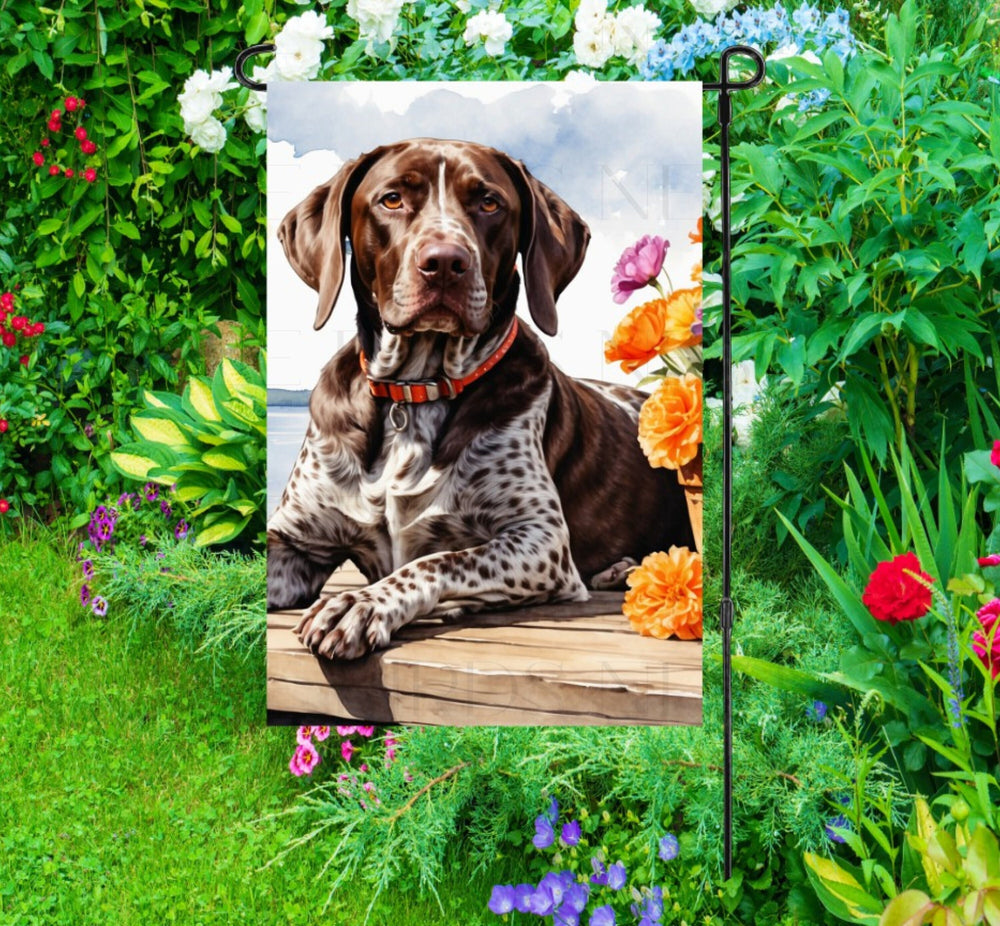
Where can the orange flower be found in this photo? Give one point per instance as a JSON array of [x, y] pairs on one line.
[[681, 307], [670, 422], [664, 595], [696, 272], [654, 328], [696, 236], [637, 338]]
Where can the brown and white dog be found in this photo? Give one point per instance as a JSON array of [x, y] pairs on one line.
[[451, 461]]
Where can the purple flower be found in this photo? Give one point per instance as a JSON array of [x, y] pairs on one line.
[[181, 530], [650, 909], [151, 490], [522, 897], [669, 847], [816, 711], [839, 822], [548, 896], [553, 812], [142, 540], [600, 875], [84, 594], [602, 916], [570, 834], [88, 429], [502, 899], [166, 509], [99, 606], [88, 568], [575, 898], [638, 266], [544, 834], [617, 876]]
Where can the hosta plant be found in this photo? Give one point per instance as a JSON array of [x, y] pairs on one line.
[[208, 443]]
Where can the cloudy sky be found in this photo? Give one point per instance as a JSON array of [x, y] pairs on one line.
[[626, 156]]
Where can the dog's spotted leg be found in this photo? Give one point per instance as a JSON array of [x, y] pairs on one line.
[[293, 579], [613, 578], [525, 565]]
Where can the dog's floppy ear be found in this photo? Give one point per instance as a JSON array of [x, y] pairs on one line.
[[553, 242], [313, 233]]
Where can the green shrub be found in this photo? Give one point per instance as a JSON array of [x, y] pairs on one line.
[[207, 445], [867, 257]]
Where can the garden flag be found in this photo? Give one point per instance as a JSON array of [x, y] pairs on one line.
[[485, 402]]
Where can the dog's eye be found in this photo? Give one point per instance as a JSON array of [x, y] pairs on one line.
[[392, 201], [489, 203]]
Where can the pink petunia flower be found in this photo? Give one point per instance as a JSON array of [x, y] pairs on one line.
[[366, 731], [346, 731], [304, 735], [347, 750], [986, 642], [638, 266], [995, 454], [321, 733], [306, 758]]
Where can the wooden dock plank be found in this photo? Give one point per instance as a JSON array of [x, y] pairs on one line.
[[566, 664]]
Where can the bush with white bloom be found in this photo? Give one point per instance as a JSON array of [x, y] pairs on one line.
[[200, 98], [492, 27], [712, 8], [601, 35], [376, 19]]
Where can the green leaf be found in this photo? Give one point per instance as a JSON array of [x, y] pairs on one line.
[[222, 531], [841, 892], [787, 678], [221, 458]]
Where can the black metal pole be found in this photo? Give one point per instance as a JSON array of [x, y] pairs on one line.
[[724, 87]]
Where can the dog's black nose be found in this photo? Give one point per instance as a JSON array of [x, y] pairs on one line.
[[442, 261]]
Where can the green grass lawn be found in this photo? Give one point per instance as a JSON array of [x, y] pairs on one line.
[[135, 777]]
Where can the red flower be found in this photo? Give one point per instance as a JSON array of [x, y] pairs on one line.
[[987, 649], [56, 114], [995, 455], [38, 158], [7, 301], [4, 506], [45, 143], [69, 171], [18, 322], [81, 133], [8, 339], [71, 103], [87, 146], [54, 125], [894, 593], [90, 175], [38, 328], [24, 360], [54, 171], [3, 425], [992, 560]]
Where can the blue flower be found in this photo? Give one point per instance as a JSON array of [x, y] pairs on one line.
[[669, 847], [502, 899], [600, 875], [570, 833], [838, 822], [544, 834], [553, 811], [650, 908], [602, 916], [617, 876]]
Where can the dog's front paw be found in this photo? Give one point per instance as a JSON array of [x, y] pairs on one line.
[[345, 626]]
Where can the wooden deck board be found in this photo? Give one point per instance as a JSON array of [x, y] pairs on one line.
[[571, 664]]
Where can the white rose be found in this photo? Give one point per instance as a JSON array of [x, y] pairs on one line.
[[491, 26], [256, 111], [711, 8], [209, 135], [463, 6], [376, 18], [299, 47], [202, 95], [593, 47], [635, 27], [589, 14]]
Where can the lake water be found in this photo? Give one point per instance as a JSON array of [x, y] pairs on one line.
[[286, 428]]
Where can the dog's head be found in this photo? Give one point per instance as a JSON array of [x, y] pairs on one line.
[[435, 228]]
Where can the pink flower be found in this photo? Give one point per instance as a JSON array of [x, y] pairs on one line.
[[305, 759], [90, 175], [321, 733], [69, 171], [995, 454], [347, 750], [87, 146], [81, 133], [366, 731], [304, 735], [638, 266], [346, 731], [986, 642], [992, 560], [71, 104], [38, 158], [54, 171]]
